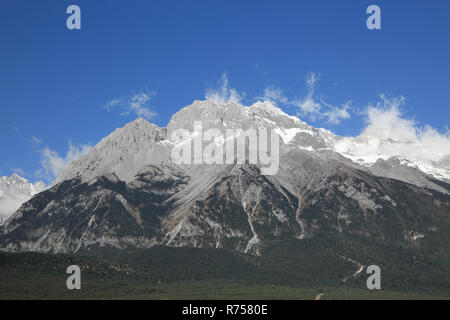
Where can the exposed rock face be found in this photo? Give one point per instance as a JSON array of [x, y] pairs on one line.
[[123, 153], [126, 193]]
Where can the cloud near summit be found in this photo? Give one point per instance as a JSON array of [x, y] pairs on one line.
[[53, 164], [311, 106], [389, 133], [137, 104], [224, 93]]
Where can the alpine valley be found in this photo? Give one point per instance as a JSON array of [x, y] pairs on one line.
[[126, 211]]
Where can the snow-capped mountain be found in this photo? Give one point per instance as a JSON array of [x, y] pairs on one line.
[[14, 191], [127, 193], [140, 143], [371, 147]]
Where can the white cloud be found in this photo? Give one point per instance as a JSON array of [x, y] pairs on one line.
[[19, 171], [311, 81], [36, 140], [388, 133], [275, 95], [11, 203], [335, 114], [224, 94], [53, 164], [138, 104], [310, 106]]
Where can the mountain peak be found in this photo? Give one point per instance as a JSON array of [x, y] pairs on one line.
[[123, 153], [139, 120], [141, 143], [16, 177], [271, 110], [140, 123], [267, 106]]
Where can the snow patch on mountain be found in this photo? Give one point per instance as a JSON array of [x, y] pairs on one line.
[[14, 191], [389, 134], [139, 143], [289, 134], [368, 148]]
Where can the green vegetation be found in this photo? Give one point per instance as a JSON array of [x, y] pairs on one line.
[[187, 273]]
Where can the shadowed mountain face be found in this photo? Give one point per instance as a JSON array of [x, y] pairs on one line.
[[126, 194], [240, 210]]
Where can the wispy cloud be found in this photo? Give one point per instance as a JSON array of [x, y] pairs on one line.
[[137, 104], [19, 171], [36, 140], [224, 93], [311, 106], [53, 163], [335, 114], [307, 105], [275, 95]]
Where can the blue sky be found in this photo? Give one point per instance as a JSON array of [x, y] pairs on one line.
[[55, 82]]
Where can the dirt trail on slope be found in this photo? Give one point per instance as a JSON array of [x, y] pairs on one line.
[[354, 275], [318, 296]]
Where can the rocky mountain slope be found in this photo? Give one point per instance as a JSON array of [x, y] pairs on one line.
[[127, 193]]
